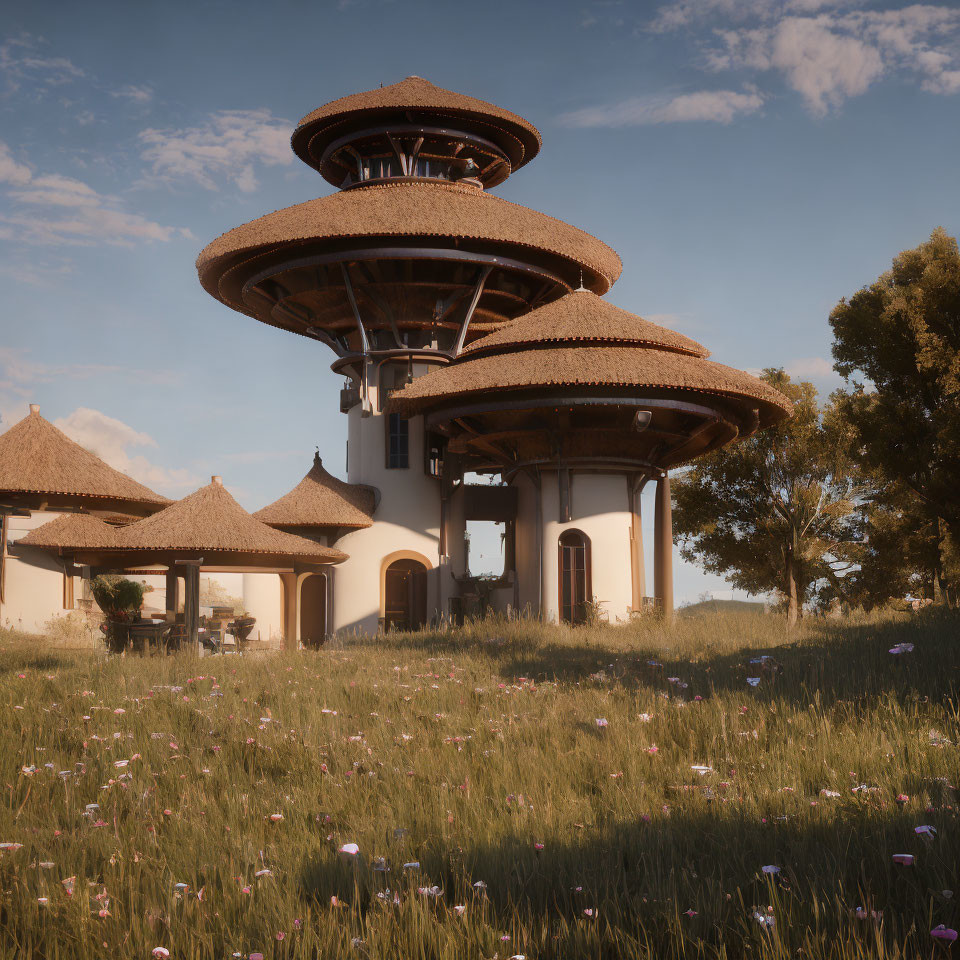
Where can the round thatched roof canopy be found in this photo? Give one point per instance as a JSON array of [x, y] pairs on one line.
[[416, 98], [39, 463], [211, 524], [419, 214], [322, 500], [72, 531], [582, 317], [612, 368]]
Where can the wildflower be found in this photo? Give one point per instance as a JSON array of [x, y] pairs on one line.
[[902, 648], [925, 830], [460, 909], [601, 722], [766, 920], [701, 768], [159, 952], [771, 869], [904, 859], [652, 749], [350, 849], [944, 934], [538, 846], [433, 891], [276, 817], [644, 717], [753, 681], [280, 935], [691, 913], [902, 798]]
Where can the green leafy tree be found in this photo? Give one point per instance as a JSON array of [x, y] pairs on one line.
[[897, 342], [776, 512]]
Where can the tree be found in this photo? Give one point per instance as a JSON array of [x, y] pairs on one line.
[[897, 343], [776, 511]]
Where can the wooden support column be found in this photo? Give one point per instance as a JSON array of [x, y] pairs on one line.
[[191, 603], [173, 594], [291, 611], [663, 549], [638, 573]]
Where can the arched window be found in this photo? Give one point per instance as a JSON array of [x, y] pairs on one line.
[[575, 585], [405, 595]]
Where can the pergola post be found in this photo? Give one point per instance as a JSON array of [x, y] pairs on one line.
[[663, 548], [173, 594], [291, 610], [191, 602], [637, 568]]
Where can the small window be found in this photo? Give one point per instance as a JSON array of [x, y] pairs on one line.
[[433, 449], [398, 442]]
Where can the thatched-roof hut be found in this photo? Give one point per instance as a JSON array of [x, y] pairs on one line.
[[40, 465]]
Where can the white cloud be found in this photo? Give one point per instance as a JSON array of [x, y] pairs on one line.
[[817, 370], [826, 50], [11, 171], [111, 440], [224, 148], [715, 106], [54, 209], [138, 94], [21, 62]]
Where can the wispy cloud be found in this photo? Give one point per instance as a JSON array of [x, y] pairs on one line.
[[828, 51], [112, 440], [225, 149], [713, 106], [54, 209], [138, 94], [22, 61]]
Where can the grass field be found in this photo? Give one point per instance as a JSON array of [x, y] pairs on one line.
[[544, 780]]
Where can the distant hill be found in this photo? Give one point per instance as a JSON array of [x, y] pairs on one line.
[[721, 606]]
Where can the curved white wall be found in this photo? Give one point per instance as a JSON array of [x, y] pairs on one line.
[[407, 519], [600, 508], [263, 599]]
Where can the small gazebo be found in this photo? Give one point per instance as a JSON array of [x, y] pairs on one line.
[[206, 530]]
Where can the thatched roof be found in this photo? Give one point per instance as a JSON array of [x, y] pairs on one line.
[[37, 458], [322, 500], [418, 96], [422, 210], [582, 316], [611, 366], [72, 531], [211, 521]]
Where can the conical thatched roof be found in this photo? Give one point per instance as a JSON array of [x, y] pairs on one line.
[[37, 458], [519, 139], [421, 210], [583, 341], [321, 500], [583, 317], [210, 521], [72, 531]]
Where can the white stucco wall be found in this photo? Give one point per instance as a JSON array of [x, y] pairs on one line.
[[33, 581], [600, 509], [407, 519], [263, 599]]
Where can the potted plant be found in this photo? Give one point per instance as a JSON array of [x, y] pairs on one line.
[[120, 600]]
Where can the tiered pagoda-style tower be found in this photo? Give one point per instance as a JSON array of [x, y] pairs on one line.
[[399, 273]]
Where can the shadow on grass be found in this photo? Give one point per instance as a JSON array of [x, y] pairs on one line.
[[829, 662], [641, 878]]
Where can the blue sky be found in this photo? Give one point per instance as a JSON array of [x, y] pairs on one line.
[[752, 161]]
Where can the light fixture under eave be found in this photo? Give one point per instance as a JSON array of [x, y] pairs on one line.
[[641, 420]]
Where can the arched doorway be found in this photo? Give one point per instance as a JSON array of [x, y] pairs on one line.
[[575, 586], [313, 610], [405, 595]]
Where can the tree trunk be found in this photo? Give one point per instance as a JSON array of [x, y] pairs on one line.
[[790, 588]]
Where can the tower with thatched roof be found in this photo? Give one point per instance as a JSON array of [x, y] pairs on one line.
[[462, 306]]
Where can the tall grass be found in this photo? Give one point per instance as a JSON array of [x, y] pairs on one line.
[[477, 753]]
